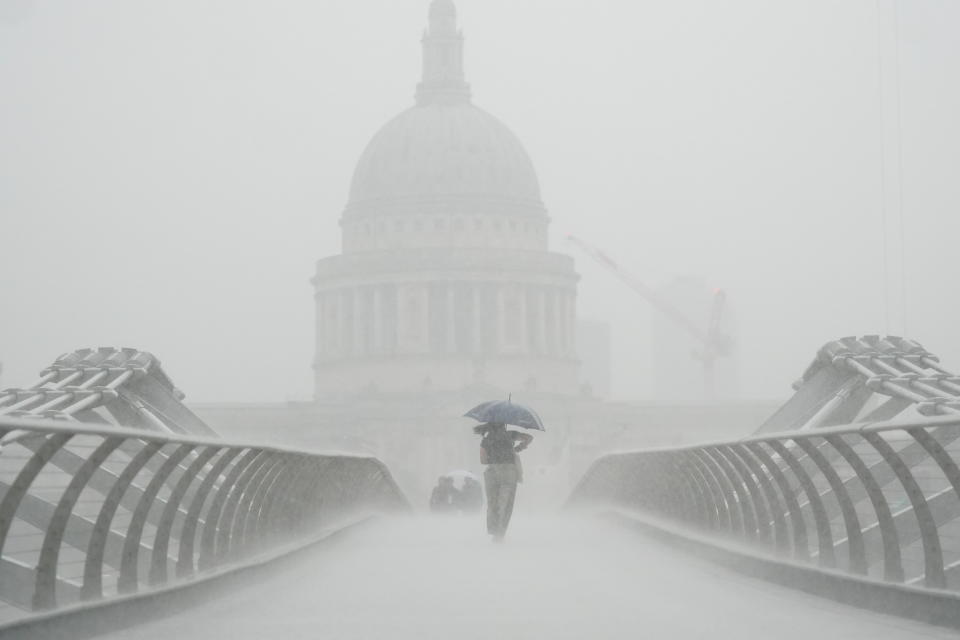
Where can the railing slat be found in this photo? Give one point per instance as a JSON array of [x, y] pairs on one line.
[[140, 484], [769, 485]]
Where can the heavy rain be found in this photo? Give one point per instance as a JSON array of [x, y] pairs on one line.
[[468, 319]]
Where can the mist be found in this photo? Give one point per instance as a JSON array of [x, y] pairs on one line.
[[171, 171], [431, 579], [624, 230]]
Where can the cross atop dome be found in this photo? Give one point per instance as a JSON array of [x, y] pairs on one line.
[[443, 78]]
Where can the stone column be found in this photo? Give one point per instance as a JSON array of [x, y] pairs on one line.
[[477, 320], [561, 322], [423, 292], [332, 321], [378, 343], [558, 320], [359, 322], [502, 319], [320, 326], [547, 337], [344, 327], [542, 328], [392, 320], [523, 331], [451, 319], [572, 320]]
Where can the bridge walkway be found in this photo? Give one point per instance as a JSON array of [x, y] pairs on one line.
[[430, 578]]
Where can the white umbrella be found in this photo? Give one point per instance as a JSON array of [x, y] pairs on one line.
[[460, 475]]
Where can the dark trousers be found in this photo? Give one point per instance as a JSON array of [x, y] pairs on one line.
[[501, 484]]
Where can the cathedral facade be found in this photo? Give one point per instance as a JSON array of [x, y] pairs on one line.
[[445, 281], [446, 294]]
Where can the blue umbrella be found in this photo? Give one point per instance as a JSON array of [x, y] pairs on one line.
[[506, 412]]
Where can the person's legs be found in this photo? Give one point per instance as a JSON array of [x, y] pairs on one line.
[[508, 492], [492, 485]]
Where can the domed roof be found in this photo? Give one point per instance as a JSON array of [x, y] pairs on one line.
[[444, 149], [444, 154]]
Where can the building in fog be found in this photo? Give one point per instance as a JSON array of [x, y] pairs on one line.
[[445, 281], [446, 294]]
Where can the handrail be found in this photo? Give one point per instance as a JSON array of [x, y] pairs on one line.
[[45, 425], [90, 511], [876, 499], [857, 427]]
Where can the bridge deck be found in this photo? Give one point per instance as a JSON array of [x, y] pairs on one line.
[[442, 578]]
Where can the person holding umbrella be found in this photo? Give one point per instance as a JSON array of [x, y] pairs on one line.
[[498, 451]]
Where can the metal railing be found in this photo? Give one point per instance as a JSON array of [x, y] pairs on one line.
[[879, 500], [88, 512]]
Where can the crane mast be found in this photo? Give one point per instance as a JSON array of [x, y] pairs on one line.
[[711, 341]]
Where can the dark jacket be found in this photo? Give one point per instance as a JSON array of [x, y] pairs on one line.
[[498, 446]]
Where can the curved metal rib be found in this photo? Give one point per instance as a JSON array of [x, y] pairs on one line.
[[825, 553], [892, 560], [930, 538], [259, 484], [212, 521], [759, 508], [128, 581], [227, 528], [727, 495], [781, 536], [181, 476], [29, 472], [801, 548], [249, 533], [857, 554], [716, 513], [161, 542], [45, 595], [93, 565], [188, 534]]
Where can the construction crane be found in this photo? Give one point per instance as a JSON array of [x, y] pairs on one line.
[[711, 341]]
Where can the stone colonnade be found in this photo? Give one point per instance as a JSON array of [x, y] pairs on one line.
[[467, 318]]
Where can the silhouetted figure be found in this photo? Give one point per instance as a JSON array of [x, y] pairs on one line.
[[498, 450], [471, 495], [445, 496]]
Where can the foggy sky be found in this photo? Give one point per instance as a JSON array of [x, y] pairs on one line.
[[170, 171]]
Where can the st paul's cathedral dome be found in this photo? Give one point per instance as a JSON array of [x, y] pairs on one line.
[[445, 280]]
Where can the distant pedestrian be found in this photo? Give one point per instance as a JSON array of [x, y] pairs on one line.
[[498, 450], [445, 496], [471, 495]]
